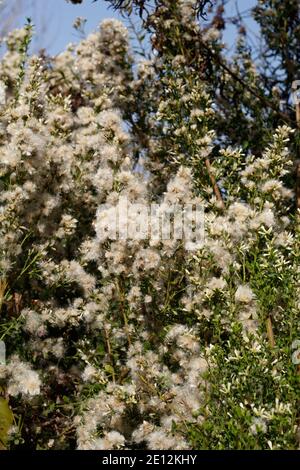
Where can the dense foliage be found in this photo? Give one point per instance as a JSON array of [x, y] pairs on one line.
[[147, 343]]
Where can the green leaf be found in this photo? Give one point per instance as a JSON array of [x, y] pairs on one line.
[[6, 421], [109, 369]]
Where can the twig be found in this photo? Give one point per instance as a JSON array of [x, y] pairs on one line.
[[217, 59], [3, 286], [270, 332], [214, 183]]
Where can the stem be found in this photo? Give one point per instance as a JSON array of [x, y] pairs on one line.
[[270, 332], [109, 352], [214, 183], [3, 286], [122, 303], [298, 164]]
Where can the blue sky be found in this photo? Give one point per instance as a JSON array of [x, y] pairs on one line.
[[54, 19]]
